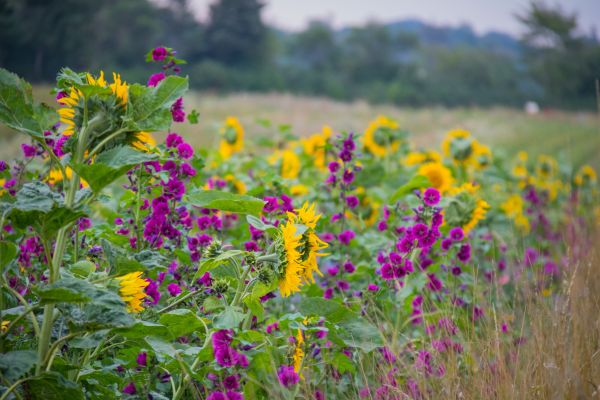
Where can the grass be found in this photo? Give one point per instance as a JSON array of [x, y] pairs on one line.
[[573, 136]]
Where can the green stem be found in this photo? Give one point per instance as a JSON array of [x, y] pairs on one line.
[[104, 141], [12, 388], [50, 355], [187, 378], [241, 286], [59, 249]]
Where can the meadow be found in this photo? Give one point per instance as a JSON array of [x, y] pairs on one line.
[[162, 244]]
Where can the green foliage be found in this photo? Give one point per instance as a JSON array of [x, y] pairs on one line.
[[19, 111], [226, 201]]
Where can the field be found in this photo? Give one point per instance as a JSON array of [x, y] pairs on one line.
[[284, 247], [573, 137]]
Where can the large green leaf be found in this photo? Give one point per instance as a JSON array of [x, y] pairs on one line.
[[67, 290], [354, 330], [212, 263], [229, 318], [52, 386], [19, 111], [37, 206], [225, 201], [181, 322], [15, 364], [142, 329], [149, 108], [110, 165]]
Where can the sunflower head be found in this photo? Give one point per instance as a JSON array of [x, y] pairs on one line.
[[290, 268], [232, 137], [438, 174], [459, 145], [382, 136], [585, 176], [466, 208], [131, 290]]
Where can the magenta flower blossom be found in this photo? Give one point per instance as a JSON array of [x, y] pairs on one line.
[[333, 167], [372, 287], [173, 289], [431, 197], [173, 140], [142, 359], [231, 382], [457, 234], [28, 150], [129, 389], [346, 236], [159, 54], [177, 110], [185, 151], [287, 376], [156, 78]]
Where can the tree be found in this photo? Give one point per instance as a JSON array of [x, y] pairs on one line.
[[235, 34]]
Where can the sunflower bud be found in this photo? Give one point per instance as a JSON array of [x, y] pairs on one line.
[[220, 286], [214, 249]]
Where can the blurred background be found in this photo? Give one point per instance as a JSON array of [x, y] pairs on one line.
[[416, 53], [518, 73]]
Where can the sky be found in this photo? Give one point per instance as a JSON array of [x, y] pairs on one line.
[[482, 15]]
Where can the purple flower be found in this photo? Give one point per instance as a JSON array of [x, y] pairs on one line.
[[185, 150], [3, 165], [231, 382], [173, 289], [159, 54], [446, 244], [457, 234], [349, 267], [348, 177], [346, 236], [431, 197], [434, 284], [420, 230], [352, 201], [177, 110], [530, 257], [372, 287], [28, 151], [382, 226], [142, 359], [333, 167], [287, 376], [217, 396], [464, 253], [156, 78], [173, 140], [271, 204], [129, 388]]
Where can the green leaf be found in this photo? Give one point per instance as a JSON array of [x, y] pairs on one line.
[[52, 386], [215, 262], [150, 106], [90, 341], [343, 363], [142, 329], [416, 182], [258, 224], [110, 165], [181, 322], [229, 318], [37, 206], [8, 251], [161, 348], [82, 268], [19, 111], [354, 330], [67, 290], [15, 364], [225, 201], [255, 306]]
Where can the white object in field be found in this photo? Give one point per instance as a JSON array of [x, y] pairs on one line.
[[532, 108]]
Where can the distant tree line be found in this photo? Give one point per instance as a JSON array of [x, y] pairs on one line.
[[408, 63]]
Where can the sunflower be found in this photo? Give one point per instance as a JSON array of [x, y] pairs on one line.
[[513, 208], [290, 164], [482, 155], [67, 113], [298, 352], [546, 167], [439, 176], [120, 89], [238, 185], [290, 280], [585, 176], [459, 145], [379, 136], [421, 157], [468, 208], [232, 140], [144, 141], [314, 146], [131, 290], [311, 244]]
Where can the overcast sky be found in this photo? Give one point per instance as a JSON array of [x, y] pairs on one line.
[[482, 15]]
